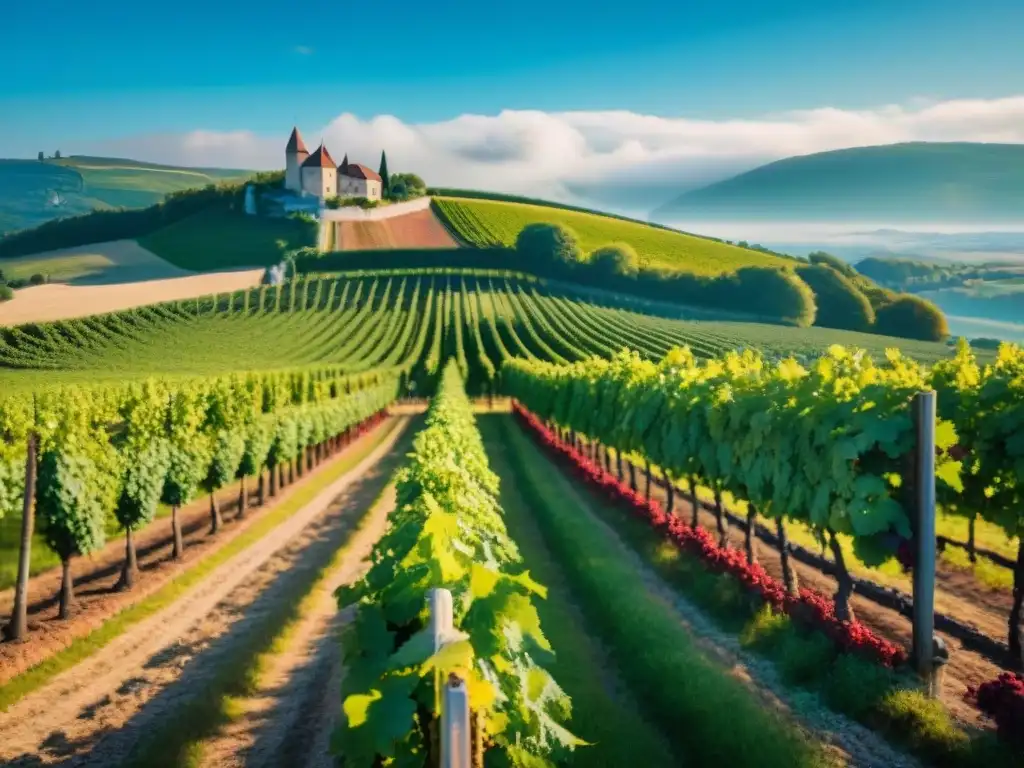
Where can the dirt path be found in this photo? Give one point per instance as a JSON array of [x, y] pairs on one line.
[[97, 600], [290, 721], [850, 742], [96, 712]]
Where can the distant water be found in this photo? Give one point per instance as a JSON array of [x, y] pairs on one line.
[[813, 232], [975, 327]]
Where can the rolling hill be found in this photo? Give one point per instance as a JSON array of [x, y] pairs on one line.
[[28, 187], [486, 223], [897, 183]]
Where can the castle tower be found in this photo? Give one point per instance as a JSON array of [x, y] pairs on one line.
[[295, 154], [320, 174]]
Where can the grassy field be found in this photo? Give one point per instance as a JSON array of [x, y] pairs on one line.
[[223, 239], [91, 183], [491, 222], [117, 262]]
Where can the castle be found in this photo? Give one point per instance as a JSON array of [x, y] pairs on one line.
[[319, 176]]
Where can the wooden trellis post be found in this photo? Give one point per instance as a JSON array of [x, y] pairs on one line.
[[928, 652], [452, 697]]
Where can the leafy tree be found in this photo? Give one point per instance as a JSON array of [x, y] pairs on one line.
[[385, 180], [614, 261], [828, 260], [282, 450], [397, 190], [228, 409], [840, 303], [189, 456], [56, 155], [257, 445], [911, 317], [146, 468], [405, 186], [6, 292], [78, 479], [768, 291], [228, 447], [146, 458], [548, 245]]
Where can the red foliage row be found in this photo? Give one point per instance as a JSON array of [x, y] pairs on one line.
[[1002, 699], [809, 607]]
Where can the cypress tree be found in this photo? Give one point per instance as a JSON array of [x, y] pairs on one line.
[[344, 164], [385, 180]]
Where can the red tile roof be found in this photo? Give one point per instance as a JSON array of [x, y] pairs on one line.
[[357, 171], [295, 144], [320, 159]]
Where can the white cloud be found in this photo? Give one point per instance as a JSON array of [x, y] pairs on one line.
[[591, 155], [303, 50]]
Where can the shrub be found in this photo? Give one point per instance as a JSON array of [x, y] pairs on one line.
[[856, 686], [840, 303], [37, 279], [803, 656], [912, 317], [770, 291], [821, 258], [405, 186], [6, 292], [1002, 700], [614, 261], [548, 245], [985, 342]]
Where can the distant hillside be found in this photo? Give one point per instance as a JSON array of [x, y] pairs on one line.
[[33, 192], [915, 182], [483, 222]]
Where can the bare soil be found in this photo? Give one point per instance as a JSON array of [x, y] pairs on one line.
[[117, 275], [847, 742], [97, 712], [289, 722], [420, 229], [97, 599]]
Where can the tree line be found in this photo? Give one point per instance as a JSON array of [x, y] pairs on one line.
[[123, 223], [822, 291], [78, 459]]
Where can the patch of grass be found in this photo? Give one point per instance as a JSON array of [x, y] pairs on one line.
[[617, 734], [492, 222], [803, 657], [57, 268], [765, 631], [83, 647], [924, 724], [856, 686], [682, 691], [224, 239]]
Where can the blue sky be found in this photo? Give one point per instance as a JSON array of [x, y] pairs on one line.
[[78, 72]]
